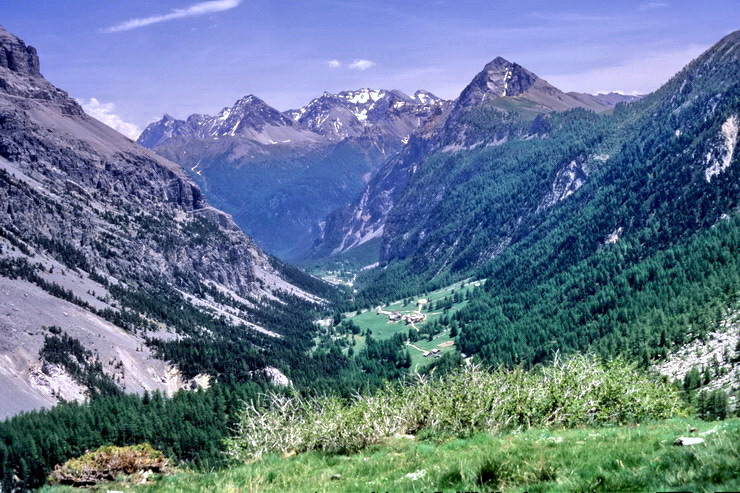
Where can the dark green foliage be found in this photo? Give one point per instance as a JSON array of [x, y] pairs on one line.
[[189, 426], [713, 405], [87, 370], [311, 284], [615, 302], [65, 252]]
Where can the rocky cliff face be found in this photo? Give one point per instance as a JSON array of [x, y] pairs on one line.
[[17, 57], [87, 219]]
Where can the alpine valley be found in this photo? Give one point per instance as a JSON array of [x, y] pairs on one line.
[[280, 174], [510, 270]]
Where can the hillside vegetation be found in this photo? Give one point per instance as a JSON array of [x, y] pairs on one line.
[[610, 233], [573, 424], [578, 391], [626, 458]]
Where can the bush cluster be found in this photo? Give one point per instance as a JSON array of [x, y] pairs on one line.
[[581, 390], [107, 463]]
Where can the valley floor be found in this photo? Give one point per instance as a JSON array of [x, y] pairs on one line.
[[626, 458]]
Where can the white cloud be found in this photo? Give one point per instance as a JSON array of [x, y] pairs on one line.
[[652, 5], [361, 64], [334, 63], [105, 113], [642, 74], [194, 10]]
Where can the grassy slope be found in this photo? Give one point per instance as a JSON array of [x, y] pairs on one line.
[[627, 458]]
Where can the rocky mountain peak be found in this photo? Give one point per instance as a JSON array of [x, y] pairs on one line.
[[423, 96], [249, 100], [502, 78], [197, 119], [16, 56], [363, 95], [253, 111]]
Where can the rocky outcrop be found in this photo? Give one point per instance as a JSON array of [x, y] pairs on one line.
[[716, 353], [17, 57]]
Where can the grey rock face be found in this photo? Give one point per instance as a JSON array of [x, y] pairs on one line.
[[16, 56], [81, 203], [499, 78]]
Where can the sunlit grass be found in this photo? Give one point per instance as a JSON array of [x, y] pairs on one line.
[[619, 458]]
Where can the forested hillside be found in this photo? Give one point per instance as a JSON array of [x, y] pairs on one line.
[[614, 232]]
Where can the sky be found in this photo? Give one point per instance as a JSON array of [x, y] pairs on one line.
[[129, 62]]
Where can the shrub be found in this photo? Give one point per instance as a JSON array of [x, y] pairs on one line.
[[581, 390], [107, 463]]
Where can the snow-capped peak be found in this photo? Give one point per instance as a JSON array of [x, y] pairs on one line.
[[362, 96]]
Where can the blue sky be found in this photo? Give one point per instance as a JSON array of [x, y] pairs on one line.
[[131, 61]]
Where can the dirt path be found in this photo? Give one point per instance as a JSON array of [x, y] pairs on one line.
[[422, 351], [383, 312]]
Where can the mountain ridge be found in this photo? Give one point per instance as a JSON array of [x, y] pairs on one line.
[[501, 89], [92, 226], [297, 166]]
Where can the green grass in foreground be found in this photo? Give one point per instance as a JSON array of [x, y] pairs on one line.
[[626, 458]]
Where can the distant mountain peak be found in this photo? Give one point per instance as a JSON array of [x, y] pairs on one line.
[[249, 112], [363, 95], [248, 100], [498, 62], [425, 97], [499, 78], [352, 113]]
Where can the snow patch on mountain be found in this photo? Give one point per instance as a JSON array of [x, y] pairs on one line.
[[363, 95]]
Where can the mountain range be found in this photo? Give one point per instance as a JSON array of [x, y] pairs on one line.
[[280, 174], [504, 101], [505, 161]]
